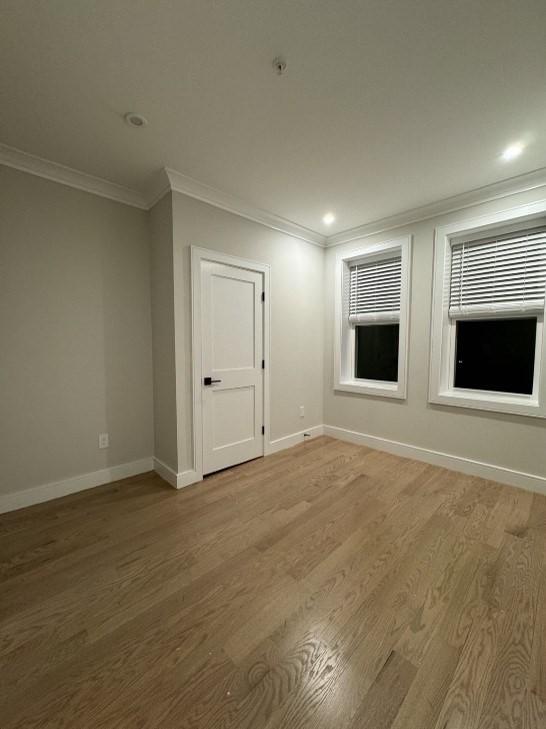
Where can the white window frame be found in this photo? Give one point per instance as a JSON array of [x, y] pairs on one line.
[[442, 340], [344, 336]]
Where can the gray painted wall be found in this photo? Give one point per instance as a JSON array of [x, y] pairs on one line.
[[162, 282], [516, 442], [75, 326], [297, 313], [79, 326]]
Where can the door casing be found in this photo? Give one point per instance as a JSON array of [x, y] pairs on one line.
[[198, 255]]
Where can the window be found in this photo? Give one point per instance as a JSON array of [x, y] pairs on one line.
[[488, 313], [495, 354], [376, 352], [372, 293]]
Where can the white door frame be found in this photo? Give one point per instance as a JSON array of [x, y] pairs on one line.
[[197, 256]]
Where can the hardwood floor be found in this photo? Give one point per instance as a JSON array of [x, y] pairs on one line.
[[328, 586]]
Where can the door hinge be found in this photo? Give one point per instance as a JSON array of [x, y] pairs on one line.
[[263, 429], [263, 364], [263, 295]]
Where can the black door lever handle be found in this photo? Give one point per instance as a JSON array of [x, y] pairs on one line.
[[210, 381]]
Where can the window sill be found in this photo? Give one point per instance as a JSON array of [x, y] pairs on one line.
[[372, 387], [493, 402]]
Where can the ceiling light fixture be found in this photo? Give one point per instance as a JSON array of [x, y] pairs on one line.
[[328, 219], [135, 120], [513, 151]]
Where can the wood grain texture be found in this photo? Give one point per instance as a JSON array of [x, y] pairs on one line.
[[328, 586]]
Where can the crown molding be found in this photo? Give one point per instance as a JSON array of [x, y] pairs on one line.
[[223, 200], [158, 185], [19, 160], [170, 180], [496, 191]]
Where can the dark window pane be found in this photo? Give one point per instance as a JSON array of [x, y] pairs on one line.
[[496, 354], [376, 352]]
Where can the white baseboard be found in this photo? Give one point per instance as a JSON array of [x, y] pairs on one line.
[[176, 480], [48, 491], [186, 478], [166, 472], [528, 481], [293, 439]]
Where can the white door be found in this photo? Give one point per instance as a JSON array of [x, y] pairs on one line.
[[232, 353]]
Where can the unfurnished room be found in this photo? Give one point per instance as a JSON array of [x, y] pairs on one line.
[[272, 364]]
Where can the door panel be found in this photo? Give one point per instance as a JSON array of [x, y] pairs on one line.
[[232, 351], [232, 302], [227, 430]]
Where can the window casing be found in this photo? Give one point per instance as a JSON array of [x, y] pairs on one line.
[[372, 291], [504, 281]]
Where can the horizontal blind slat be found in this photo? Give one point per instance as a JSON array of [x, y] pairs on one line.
[[370, 292], [485, 271], [501, 282], [508, 271], [374, 290]]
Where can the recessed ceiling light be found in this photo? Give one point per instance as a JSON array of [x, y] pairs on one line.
[[513, 151], [135, 120], [328, 219]]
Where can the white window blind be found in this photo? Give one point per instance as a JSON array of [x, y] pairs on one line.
[[506, 274], [374, 290]]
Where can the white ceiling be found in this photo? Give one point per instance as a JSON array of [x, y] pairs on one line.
[[386, 105]]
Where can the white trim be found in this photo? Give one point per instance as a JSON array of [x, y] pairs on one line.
[[157, 187], [287, 441], [48, 491], [520, 479], [187, 478], [167, 473], [19, 160], [197, 256], [496, 191], [344, 336], [176, 480], [169, 179], [442, 337], [223, 200]]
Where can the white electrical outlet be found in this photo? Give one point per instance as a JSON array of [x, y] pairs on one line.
[[104, 440], [302, 411]]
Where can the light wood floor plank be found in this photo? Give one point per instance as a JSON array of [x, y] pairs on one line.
[[329, 586]]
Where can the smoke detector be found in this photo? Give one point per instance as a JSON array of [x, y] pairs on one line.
[[279, 64], [135, 120]]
